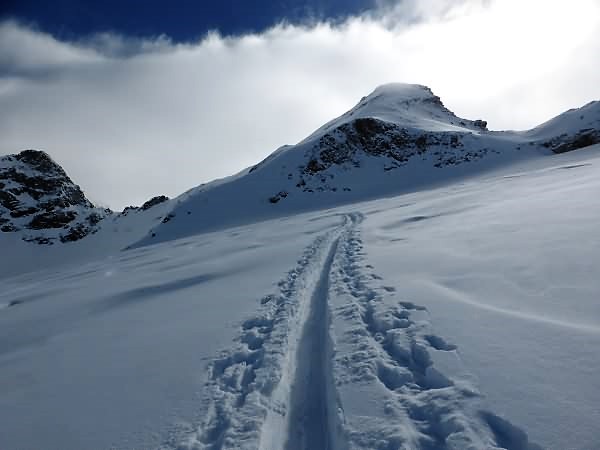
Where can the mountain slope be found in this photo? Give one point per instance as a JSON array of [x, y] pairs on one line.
[[463, 316], [398, 139], [452, 318]]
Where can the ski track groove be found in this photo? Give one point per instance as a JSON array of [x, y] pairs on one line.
[[311, 421], [278, 388]]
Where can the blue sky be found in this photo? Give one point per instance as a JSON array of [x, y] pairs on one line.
[[181, 20]]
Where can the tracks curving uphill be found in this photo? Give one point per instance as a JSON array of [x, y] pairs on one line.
[[326, 333]]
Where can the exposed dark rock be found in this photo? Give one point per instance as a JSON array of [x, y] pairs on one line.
[[168, 218], [314, 166], [82, 229], [278, 196], [74, 234], [8, 200], [129, 209], [23, 212], [39, 160], [566, 143], [42, 240], [378, 138], [37, 194], [480, 124], [52, 220], [95, 218], [154, 201]]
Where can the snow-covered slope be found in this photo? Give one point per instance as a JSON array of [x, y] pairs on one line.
[[462, 317], [573, 129], [401, 279], [399, 139]]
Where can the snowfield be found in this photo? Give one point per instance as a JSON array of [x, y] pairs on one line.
[[402, 279], [463, 316]]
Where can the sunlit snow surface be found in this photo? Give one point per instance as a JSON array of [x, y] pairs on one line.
[[465, 316]]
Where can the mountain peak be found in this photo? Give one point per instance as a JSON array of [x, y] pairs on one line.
[[403, 91], [34, 160], [38, 198], [410, 106], [34, 157]]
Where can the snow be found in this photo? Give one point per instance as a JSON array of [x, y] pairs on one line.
[[588, 116], [506, 267], [456, 149], [424, 308], [114, 352], [116, 232], [458, 317], [411, 105]]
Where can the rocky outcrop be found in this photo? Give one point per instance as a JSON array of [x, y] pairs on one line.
[[154, 201], [347, 144], [567, 143], [39, 199]]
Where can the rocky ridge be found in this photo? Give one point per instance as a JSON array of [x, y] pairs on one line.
[[39, 201]]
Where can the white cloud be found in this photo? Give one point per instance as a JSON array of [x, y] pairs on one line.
[[130, 119]]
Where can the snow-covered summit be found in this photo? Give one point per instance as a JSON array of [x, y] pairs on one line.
[[407, 105]]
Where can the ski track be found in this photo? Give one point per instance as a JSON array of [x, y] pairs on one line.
[[278, 388], [392, 346]]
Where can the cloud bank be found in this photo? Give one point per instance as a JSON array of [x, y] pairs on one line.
[[131, 118]]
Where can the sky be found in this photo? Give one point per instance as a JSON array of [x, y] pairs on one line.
[[141, 98]]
